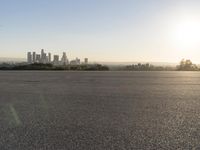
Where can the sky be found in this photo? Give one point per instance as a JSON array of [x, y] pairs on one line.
[[102, 30]]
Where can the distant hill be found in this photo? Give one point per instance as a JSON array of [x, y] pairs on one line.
[[6, 59]]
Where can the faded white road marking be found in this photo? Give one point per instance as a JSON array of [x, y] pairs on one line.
[[15, 115]]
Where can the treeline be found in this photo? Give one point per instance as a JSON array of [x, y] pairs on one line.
[[40, 66], [147, 67], [185, 65]]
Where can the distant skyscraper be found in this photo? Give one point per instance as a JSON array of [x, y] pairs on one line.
[[64, 59], [43, 56], [78, 61], [38, 59], [49, 57], [29, 57], [56, 60], [42, 52], [34, 57], [86, 61]]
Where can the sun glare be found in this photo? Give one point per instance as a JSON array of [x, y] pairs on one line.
[[186, 34]]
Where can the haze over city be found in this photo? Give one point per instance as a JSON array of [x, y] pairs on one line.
[[102, 30]]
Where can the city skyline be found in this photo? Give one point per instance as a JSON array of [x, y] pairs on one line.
[[106, 30], [48, 58]]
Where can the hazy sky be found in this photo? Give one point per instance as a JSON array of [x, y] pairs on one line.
[[103, 30]]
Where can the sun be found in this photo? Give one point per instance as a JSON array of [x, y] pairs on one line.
[[186, 34]]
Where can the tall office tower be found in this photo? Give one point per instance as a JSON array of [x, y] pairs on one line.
[[29, 57], [42, 52], [86, 61], [38, 59], [56, 60], [49, 57], [43, 57], [78, 61], [64, 59], [34, 57]]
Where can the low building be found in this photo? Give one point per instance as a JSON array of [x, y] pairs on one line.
[[75, 62]]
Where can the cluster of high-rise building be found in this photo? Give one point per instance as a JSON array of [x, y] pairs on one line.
[[45, 58]]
